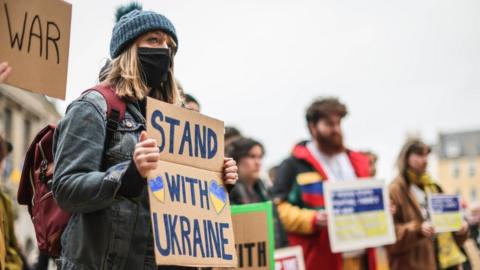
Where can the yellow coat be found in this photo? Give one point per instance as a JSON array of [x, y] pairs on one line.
[[9, 256]]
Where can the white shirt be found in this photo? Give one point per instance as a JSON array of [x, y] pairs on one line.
[[421, 198], [337, 168]]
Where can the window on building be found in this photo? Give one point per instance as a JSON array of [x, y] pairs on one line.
[[27, 133], [453, 149], [8, 124], [455, 169], [473, 194], [472, 168]]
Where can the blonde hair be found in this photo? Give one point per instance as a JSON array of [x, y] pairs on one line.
[[125, 77]]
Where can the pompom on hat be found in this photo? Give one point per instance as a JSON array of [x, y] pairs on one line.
[[132, 22]]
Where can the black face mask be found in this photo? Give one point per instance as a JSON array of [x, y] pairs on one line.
[[154, 64]]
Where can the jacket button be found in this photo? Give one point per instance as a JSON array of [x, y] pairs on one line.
[[129, 124]]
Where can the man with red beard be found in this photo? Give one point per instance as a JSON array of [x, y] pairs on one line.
[[298, 190]]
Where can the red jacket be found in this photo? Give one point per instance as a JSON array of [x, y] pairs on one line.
[[303, 232]]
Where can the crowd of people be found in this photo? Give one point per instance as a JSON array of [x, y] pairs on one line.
[[104, 185], [296, 187]]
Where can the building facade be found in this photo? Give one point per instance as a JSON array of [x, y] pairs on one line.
[[22, 115], [459, 164]]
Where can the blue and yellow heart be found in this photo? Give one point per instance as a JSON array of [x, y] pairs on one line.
[[158, 188], [218, 196]]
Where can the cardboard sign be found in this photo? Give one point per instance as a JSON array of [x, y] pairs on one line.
[[186, 137], [254, 235], [290, 258], [34, 40], [445, 212], [189, 206], [358, 215]]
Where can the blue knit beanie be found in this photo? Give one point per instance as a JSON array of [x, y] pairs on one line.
[[133, 22]]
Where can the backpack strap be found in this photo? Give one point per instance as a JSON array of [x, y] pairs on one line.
[[116, 108], [31, 163]]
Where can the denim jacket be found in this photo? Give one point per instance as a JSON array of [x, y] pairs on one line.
[[109, 229]]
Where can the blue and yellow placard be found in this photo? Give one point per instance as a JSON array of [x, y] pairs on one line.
[[358, 215], [445, 212]]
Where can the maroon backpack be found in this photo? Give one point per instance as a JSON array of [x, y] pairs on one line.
[[49, 220]]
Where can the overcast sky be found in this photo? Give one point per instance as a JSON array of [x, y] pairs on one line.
[[401, 67]]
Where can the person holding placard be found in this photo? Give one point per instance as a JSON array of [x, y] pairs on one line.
[[298, 189], [418, 247], [104, 186], [5, 70]]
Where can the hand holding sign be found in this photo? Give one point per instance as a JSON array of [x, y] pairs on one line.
[[427, 229], [146, 155], [5, 70], [463, 229], [321, 218], [230, 169]]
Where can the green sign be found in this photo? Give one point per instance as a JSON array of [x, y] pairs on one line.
[[254, 235]]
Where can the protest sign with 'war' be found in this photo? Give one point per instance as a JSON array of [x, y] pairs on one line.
[[189, 205], [358, 215], [445, 212], [35, 40]]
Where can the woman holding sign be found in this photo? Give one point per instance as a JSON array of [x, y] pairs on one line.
[[100, 177], [418, 246]]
